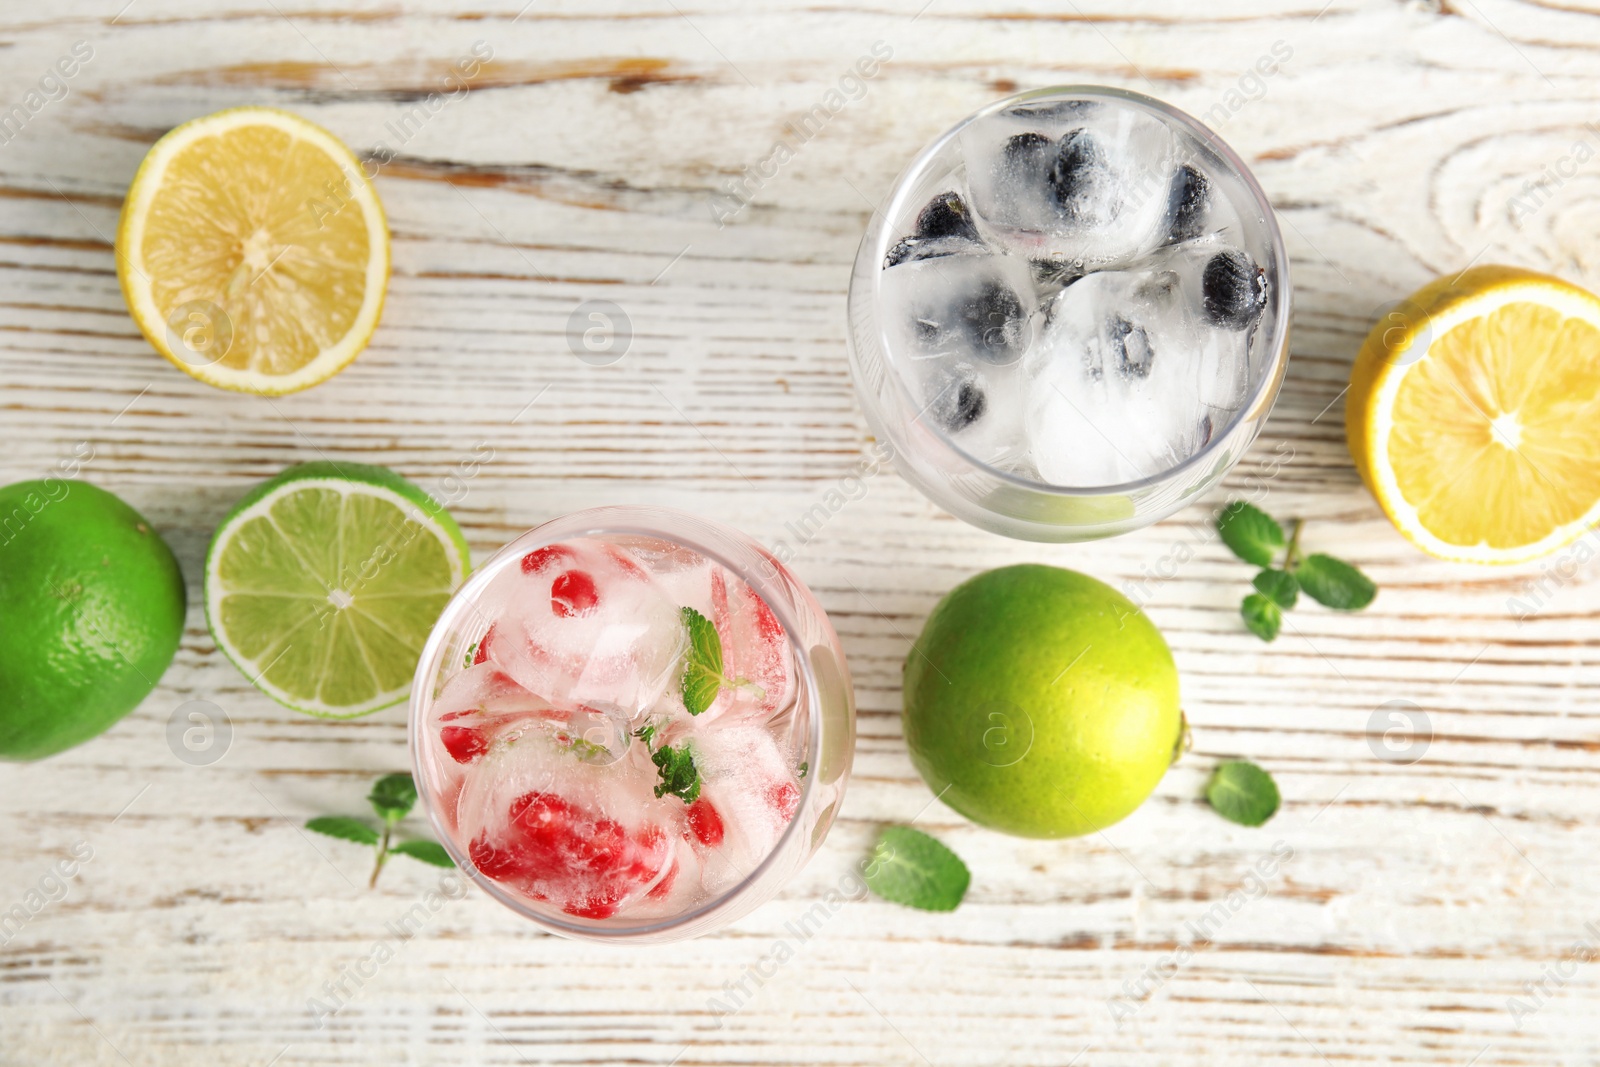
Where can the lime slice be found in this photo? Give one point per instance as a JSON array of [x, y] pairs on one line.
[[323, 583]]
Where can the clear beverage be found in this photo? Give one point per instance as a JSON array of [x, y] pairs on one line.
[[632, 723], [1073, 316]]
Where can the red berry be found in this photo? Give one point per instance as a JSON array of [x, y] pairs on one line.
[[588, 866], [705, 822], [784, 799], [483, 647], [767, 624], [624, 559], [540, 558], [464, 743], [573, 593], [663, 887]]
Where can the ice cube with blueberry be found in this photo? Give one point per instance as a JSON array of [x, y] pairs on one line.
[[962, 323], [1114, 394], [1080, 187]]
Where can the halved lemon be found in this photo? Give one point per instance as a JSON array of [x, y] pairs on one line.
[[253, 251], [1472, 415]]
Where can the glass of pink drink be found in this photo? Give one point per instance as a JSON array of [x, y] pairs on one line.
[[585, 756]]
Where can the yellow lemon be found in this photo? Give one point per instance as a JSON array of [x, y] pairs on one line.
[[1472, 415], [253, 251]]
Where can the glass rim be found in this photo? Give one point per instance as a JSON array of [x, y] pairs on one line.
[[1270, 382], [640, 520]]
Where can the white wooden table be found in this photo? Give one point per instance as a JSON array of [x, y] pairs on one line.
[[1399, 140]]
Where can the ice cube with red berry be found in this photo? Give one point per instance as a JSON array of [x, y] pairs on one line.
[[588, 624]]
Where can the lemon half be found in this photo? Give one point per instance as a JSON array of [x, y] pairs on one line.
[[1472, 415], [253, 251]]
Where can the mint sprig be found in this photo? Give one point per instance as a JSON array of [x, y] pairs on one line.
[[392, 797], [703, 676], [1243, 793], [674, 766], [909, 867], [1256, 537]]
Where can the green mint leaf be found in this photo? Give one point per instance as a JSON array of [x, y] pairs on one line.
[[804, 769], [702, 667], [1334, 583], [1262, 616], [344, 828], [1250, 533], [426, 851], [909, 867], [1242, 793], [393, 796], [1279, 587], [679, 776]]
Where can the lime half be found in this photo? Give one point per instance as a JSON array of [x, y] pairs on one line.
[[323, 583]]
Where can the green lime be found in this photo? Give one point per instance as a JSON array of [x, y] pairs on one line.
[[323, 583], [1040, 702], [91, 611]]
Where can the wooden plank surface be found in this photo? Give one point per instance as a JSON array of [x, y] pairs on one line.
[[1391, 914]]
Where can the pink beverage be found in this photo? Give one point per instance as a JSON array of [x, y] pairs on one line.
[[632, 723]]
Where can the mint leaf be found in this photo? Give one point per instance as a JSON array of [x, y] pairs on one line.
[[909, 867], [679, 776], [1334, 583], [702, 668], [1279, 587], [1250, 533], [344, 828], [426, 851], [1242, 793], [1262, 616], [393, 796]]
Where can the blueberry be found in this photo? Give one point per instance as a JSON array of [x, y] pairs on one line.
[[946, 215], [1235, 290], [1191, 195], [993, 319], [1054, 274], [1076, 175], [1132, 348], [961, 405]]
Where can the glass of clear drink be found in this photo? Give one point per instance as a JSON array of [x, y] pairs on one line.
[[632, 724], [1072, 317]]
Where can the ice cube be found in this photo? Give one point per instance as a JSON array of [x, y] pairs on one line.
[[750, 794], [967, 305], [589, 624], [587, 839], [1128, 379], [977, 405], [1084, 186], [478, 709], [756, 652]]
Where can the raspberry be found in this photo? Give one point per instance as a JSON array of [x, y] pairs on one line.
[[541, 558], [483, 647], [705, 822], [586, 865], [573, 593], [464, 743], [784, 799]]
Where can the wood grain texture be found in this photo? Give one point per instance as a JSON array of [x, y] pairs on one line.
[[1402, 139]]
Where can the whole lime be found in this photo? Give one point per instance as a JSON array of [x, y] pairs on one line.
[[1041, 702], [91, 610]]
